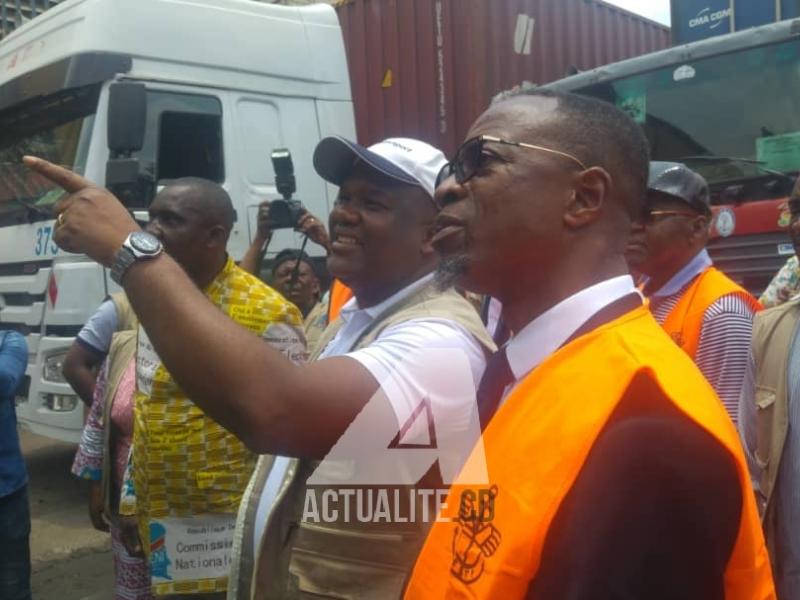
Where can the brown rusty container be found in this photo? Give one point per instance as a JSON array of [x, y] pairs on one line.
[[428, 68]]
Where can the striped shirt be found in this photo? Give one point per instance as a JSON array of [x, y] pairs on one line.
[[787, 490], [724, 346]]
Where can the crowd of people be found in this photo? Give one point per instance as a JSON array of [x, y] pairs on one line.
[[614, 420]]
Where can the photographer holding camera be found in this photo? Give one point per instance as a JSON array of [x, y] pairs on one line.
[[293, 273], [307, 224]]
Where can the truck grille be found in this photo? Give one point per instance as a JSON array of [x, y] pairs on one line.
[[62, 330], [751, 260], [26, 268]]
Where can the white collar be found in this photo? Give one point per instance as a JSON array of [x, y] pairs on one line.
[[546, 333], [690, 270], [351, 308]]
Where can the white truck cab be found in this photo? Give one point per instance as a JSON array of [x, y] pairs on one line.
[[224, 82]]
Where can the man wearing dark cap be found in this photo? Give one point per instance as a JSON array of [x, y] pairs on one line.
[[392, 385], [706, 313]]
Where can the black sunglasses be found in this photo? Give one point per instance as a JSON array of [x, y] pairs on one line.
[[469, 157]]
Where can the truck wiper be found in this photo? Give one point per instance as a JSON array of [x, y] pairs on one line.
[[34, 208], [758, 164], [781, 184]]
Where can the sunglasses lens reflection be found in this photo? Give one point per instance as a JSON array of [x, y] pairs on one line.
[[468, 159]]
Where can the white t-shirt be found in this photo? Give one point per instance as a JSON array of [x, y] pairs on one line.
[[411, 358], [430, 359], [99, 329]]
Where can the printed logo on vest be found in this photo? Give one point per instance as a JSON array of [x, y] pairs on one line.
[[475, 538], [159, 561]]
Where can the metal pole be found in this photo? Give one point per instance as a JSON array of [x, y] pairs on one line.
[[18, 16], [3, 16], [733, 15], [778, 10]]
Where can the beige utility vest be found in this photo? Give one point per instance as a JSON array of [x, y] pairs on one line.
[[121, 351], [351, 560], [773, 332]]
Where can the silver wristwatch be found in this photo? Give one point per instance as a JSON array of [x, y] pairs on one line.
[[139, 245]]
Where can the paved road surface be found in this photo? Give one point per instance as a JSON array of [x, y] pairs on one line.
[[70, 560]]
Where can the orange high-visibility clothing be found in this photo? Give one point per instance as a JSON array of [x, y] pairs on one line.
[[535, 447], [684, 324], [339, 296]]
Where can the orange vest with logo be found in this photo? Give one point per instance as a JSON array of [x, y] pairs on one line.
[[339, 296], [535, 447], [684, 324]]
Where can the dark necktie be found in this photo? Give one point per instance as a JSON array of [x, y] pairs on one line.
[[495, 378], [498, 374]]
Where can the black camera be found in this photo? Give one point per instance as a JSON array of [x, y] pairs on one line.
[[286, 213]]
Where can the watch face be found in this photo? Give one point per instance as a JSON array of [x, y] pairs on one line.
[[145, 242]]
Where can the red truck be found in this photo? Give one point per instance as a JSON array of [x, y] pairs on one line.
[[727, 107]]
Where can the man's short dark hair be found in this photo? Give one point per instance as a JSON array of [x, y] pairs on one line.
[[600, 134], [290, 254], [211, 197]]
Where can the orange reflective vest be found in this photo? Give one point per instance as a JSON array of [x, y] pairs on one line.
[[684, 324], [535, 447], [339, 296]]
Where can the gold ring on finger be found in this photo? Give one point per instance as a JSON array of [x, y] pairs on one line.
[[60, 219]]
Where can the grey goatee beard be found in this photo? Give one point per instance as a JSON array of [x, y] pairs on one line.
[[449, 270]]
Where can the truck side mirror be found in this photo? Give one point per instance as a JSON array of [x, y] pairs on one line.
[[127, 118]]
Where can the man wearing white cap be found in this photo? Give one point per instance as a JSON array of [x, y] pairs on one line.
[[400, 365]]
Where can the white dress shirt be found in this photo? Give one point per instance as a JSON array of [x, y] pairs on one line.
[[546, 333]]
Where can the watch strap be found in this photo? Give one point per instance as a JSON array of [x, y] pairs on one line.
[[123, 260]]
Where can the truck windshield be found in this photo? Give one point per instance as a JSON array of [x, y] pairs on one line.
[[56, 128], [742, 104]]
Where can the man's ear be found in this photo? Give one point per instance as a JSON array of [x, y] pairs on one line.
[[700, 227], [590, 194], [217, 236], [426, 248]]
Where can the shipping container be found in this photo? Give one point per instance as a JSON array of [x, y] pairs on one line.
[[428, 68], [694, 20]]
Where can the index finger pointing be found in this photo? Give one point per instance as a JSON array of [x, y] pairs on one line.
[[64, 178]]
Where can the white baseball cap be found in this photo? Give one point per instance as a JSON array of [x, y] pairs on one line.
[[404, 159]]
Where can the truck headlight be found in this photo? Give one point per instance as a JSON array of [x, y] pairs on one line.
[[52, 368]]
